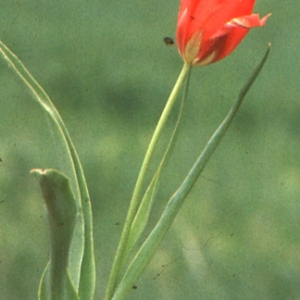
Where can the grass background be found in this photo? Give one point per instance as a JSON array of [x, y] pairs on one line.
[[106, 68]]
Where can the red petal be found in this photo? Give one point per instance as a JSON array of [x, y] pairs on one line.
[[245, 22], [205, 16], [221, 24], [226, 10], [238, 32]]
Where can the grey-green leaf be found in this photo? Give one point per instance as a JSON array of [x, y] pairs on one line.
[[150, 245], [82, 258], [62, 212]]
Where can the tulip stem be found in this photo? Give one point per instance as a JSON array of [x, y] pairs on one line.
[[151, 243], [136, 197]]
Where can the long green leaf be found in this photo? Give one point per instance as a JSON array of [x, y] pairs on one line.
[[136, 197], [142, 216], [149, 247], [44, 293], [62, 213], [82, 267]]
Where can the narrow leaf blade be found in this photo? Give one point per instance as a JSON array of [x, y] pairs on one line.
[[44, 293], [149, 247], [83, 260], [62, 212]]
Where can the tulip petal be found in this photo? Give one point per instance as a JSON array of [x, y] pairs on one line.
[[245, 22], [236, 30], [224, 12], [206, 16], [219, 24]]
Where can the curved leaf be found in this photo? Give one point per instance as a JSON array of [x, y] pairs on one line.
[[62, 212]]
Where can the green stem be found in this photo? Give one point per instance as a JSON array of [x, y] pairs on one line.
[[115, 272], [150, 245], [142, 215]]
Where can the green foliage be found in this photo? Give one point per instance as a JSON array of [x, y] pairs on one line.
[[149, 247], [237, 234], [68, 289], [81, 261], [62, 213]]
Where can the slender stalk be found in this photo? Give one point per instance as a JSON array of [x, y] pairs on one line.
[[142, 215], [150, 245], [116, 268]]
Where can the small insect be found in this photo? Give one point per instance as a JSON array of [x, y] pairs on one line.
[[168, 41]]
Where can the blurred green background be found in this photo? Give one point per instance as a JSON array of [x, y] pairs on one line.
[[106, 68]]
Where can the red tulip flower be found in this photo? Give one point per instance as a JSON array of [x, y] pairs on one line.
[[209, 30]]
